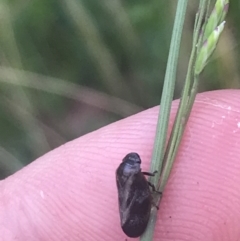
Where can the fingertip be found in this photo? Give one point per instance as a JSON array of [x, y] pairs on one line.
[[71, 192]]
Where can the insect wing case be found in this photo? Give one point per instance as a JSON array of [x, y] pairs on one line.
[[134, 196]]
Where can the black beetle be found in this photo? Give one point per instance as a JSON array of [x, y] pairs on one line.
[[134, 195]]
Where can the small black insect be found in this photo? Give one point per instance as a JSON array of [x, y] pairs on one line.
[[134, 195]]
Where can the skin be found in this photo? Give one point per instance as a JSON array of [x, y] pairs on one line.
[[70, 193]]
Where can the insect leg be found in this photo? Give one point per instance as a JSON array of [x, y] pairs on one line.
[[152, 186], [154, 190], [154, 205], [149, 173]]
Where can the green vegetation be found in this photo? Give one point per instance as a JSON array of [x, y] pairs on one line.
[[69, 67]]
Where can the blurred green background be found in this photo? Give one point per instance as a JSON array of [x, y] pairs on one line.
[[69, 67]]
